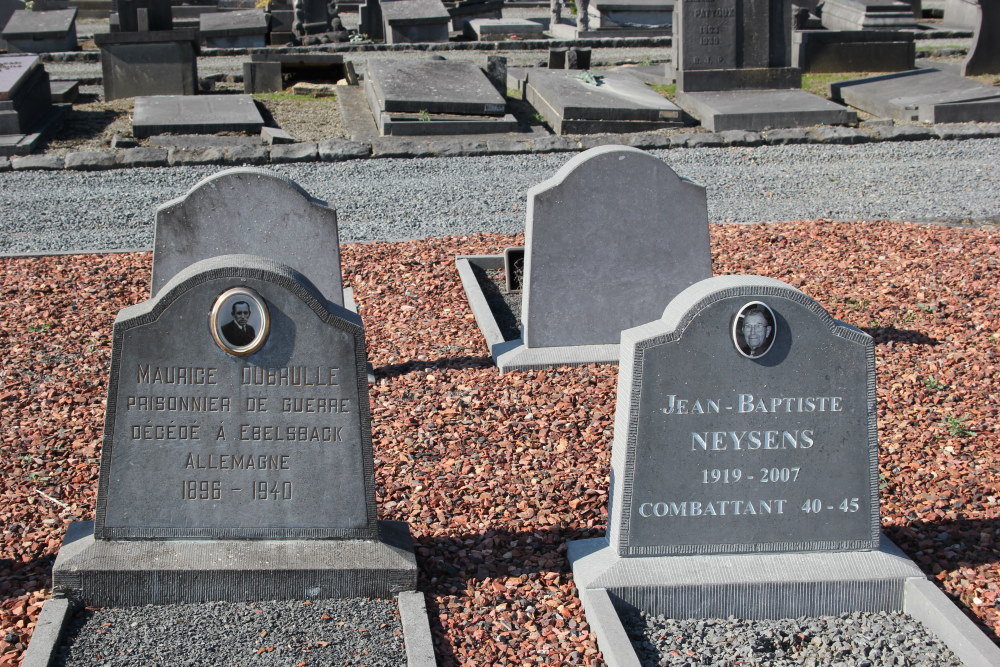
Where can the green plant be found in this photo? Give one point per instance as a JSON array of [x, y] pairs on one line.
[[358, 37], [908, 317], [926, 307], [647, 61], [668, 91], [424, 116], [956, 427], [933, 384], [513, 93], [42, 326], [819, 84], [538, 118]]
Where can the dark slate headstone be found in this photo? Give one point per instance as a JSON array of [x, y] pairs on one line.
[[984, 55], [249, 210], [853, 50], [158, 15], [160, 62], [405, 21], [745, 423], [214, 432], [237, 29], [25, 96], [7, 8], [434, 86], [610, 239], [41, 32]]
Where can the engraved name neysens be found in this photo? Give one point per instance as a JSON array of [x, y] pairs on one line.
[[760, 479]]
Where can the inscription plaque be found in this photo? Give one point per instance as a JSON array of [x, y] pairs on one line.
[[709, 29], [237, 408], [760, 441]]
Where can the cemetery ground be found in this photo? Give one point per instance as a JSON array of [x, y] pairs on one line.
[[494, 474]]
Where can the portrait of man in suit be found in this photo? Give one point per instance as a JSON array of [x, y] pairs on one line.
[[238, 331], [753, 331]]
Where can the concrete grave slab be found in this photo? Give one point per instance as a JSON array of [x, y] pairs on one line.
[[264, 467], [160, 62], [500, 29], [756, 110], [238, 211], [244, 28], [411, 21], [466, 10], [621, 103], [927, 95], [201, 114], [777, 515], [652, 17], [867, 15], [41, 32], [853, 50]]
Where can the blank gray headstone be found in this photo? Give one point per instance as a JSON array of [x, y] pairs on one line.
[[207, 441], [251, 211], [724, 448], [610, 240]]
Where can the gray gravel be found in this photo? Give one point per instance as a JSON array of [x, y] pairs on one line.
[[403, 199], [850, 640], [323, 632]]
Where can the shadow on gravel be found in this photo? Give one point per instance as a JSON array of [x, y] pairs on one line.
[[892, 334], [395, 370]]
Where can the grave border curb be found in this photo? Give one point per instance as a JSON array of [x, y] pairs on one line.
[[411, 147]]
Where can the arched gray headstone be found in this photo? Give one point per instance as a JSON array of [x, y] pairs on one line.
[[251, 211], [609, 241], [984, 54], [724, 448]]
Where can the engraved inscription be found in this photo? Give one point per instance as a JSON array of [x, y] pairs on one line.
[[708, 34]]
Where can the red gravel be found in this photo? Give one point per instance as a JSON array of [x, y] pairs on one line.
[[495, 473]]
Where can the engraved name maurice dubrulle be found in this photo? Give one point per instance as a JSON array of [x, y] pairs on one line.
[[758, 330], [237, 331]]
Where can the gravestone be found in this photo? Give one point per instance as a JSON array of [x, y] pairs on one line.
[[867, 15], [723, 49], [501, 29], [158, 62], [853, 50], [426, 97], [467, 10], [984, 54], [144, 15], [744, 473], [234, 212], [607, 101], [202, 114], [961, 14], [236, 464], [631, 17], [41, 32], [409, 21], [245, 28], [7, 9], [27, 115], [925, 95]]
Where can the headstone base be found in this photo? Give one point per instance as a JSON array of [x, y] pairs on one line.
[[756, 110], [138, 572], [852, 51], [758, 586]]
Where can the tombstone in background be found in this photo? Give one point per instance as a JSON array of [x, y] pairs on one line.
[[609, 240], [984, 55], [27, 115], [142, 16], [234, 212], [281, 22], [7, 9], [853, 50], [732, 62], [202, 114], [868, 15], [244, 28], [410, 21], [499, 29], [237, 459], [926, 95], [744, 472], [370, 20], [631, 18], [469, 10], [428, 97], [961, 14], [41, 32]]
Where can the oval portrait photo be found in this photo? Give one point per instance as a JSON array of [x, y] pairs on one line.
[[239, 321], [754, 330]]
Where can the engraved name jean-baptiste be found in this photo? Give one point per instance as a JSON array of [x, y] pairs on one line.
[[238, 332]]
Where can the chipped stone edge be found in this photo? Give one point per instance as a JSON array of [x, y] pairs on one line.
[[416, 629], [412, 147]]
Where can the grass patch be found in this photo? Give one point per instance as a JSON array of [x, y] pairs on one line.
[[819, 84], [935, 47], [291, 97], [669, 91], [513, 93]]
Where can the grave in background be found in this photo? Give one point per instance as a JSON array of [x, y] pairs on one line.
[[744, 474], [500, 29], [732, 63], [867, 15], [467, 10], [609, 240], [41, 32], [428, 97], [926, 95], [266, 71], [984, 54], [233, 212], [631, 18], [244, 28], [960, 14], [575, 102], [201, 114], [144, 55], [27, 115], [853, 50], [411, 21]]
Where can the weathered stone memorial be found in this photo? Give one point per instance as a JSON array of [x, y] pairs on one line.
[[575, 102], [960, 14], [853, 50], [410, 21], [984, 54], [867, 15], [244, 28], [927, 95], [201, 114], [27, 114], [631, 18], [266, 72], [233, 212], [145, 55], [592, 265], [468, 10], [40, 32], [732, 64], [500, 29], [744, 477], [429, 97]]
